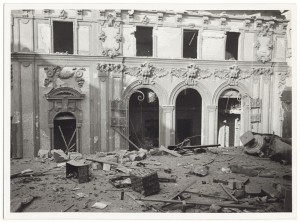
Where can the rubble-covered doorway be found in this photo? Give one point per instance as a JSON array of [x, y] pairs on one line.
[[188, 112], [229, 118], [65, 132], [144, 119]]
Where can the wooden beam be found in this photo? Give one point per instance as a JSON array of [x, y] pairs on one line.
[[174, 153]]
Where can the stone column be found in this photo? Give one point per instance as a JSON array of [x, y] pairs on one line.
[[168, 128], [212, 124], [117, 93], [255, 95], [266, 104]]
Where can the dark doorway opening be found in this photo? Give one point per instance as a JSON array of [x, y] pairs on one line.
[[63, 37], [65, 132], [229, 117], [190, 43], [188, 116], [232, 45], [286, 100], [144, 119], [144, 41]]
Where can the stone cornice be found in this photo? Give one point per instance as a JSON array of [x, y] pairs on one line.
[[29, 14], [137, 61]]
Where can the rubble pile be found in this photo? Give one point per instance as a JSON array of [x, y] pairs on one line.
[[173, 179]]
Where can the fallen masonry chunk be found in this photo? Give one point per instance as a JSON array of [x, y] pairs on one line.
[[201, 171], [249, 171], [217, 180], [252, 190], [144, 181], [214, 208], [78, 171], [100, 205]]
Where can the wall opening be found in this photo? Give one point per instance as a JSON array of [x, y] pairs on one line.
[[229, 118], [65, 132], [232, 45], [144, 41], [286, 100], [190, 43], [188, 116], [144, 119], [63, 37]]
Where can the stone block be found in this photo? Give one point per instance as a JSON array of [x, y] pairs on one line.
[[247, 138], [252, 190]]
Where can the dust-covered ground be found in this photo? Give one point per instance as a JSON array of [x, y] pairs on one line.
[[55, 193]]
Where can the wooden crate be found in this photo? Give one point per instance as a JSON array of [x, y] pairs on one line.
[[77, 171], [144, 181]]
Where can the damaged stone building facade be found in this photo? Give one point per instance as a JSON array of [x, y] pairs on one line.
[[79, 77]]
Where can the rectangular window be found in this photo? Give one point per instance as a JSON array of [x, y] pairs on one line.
[[144, 41], [190, 43], [63, 37], [232, 45]]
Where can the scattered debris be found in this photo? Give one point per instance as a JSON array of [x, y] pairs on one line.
[[200, 171], [24, 203], [81, 195], [100, 205], [214, 208], [228, 193], [173, 153]]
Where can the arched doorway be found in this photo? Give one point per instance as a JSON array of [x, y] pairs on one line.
[[188, 110], [65, 132], [229, 118], [144, 119]]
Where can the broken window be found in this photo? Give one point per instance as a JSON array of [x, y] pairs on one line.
[[65, 132], [229, 118], [144, 41], [188, 116], [232, 45], [144, 119], [63, 37], [190, 43]]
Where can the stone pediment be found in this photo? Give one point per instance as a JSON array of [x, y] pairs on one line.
[[64, 93]]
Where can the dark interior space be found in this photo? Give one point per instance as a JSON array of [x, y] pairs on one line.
[[63, 37], [188, 116], [144, 119], [286, 99], [229, 113], [232, 44], [144, 41], [65, 132], [190, 43]]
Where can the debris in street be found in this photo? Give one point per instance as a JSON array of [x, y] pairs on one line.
[[228, 193], [201, 171], [144, 181], [247, 170], [244, 206], [100, 205], [81, 195], [68, 208], [22, 204], [78, 171], [173, 153]]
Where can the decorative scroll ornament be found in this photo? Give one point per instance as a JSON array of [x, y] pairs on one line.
[[247, 23], [118, 38], [265, 30], [63, 14], [102, 36], [146, 73], [263, 52], [179, 18], [111, 53], [145, 20], [56, 72], [105, 68], [282, 80], [206, 20], [110, 20]]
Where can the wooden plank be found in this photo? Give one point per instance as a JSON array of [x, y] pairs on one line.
[[200, 203], [102, 161], [125, 137], [228, 193], [174, 153]]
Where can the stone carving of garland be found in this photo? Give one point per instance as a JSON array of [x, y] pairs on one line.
[[55, 72], [146, 73]]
